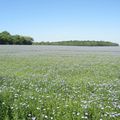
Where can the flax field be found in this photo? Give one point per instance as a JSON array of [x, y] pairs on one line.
[[59, 83]]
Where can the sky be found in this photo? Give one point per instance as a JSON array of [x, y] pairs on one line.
[[56, 20]]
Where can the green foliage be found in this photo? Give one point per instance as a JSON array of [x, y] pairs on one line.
[[7, 38], [39, 85], [78, 43], [2, 108]]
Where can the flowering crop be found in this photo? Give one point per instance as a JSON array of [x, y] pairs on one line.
[[59, 83]]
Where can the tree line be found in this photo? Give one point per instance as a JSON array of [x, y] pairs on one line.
[[7, 38], [78, 43]]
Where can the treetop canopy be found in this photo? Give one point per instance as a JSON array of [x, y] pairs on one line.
[[7, 38]]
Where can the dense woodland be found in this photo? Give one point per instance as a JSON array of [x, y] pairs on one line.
[[78, 43], [7, 38]]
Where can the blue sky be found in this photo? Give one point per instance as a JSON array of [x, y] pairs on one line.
[[54, 20]]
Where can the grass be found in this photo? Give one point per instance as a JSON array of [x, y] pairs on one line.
[[59, 86]]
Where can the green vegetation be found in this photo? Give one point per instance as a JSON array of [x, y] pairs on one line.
[[78, 43], [37, 85], [7, 38]]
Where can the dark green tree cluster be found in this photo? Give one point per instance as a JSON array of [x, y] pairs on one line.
[[7, 38], [79, 43]]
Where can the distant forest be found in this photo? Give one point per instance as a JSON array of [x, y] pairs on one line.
[[7, 38], [78, 43]]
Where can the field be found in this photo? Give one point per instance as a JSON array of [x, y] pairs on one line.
[[59, 83]]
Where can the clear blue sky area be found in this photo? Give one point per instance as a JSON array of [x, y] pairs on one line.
[[53, 20]]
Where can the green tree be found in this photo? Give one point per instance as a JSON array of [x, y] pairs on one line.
[[7, 38]]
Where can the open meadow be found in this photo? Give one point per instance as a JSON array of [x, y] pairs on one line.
[[59, 83]]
